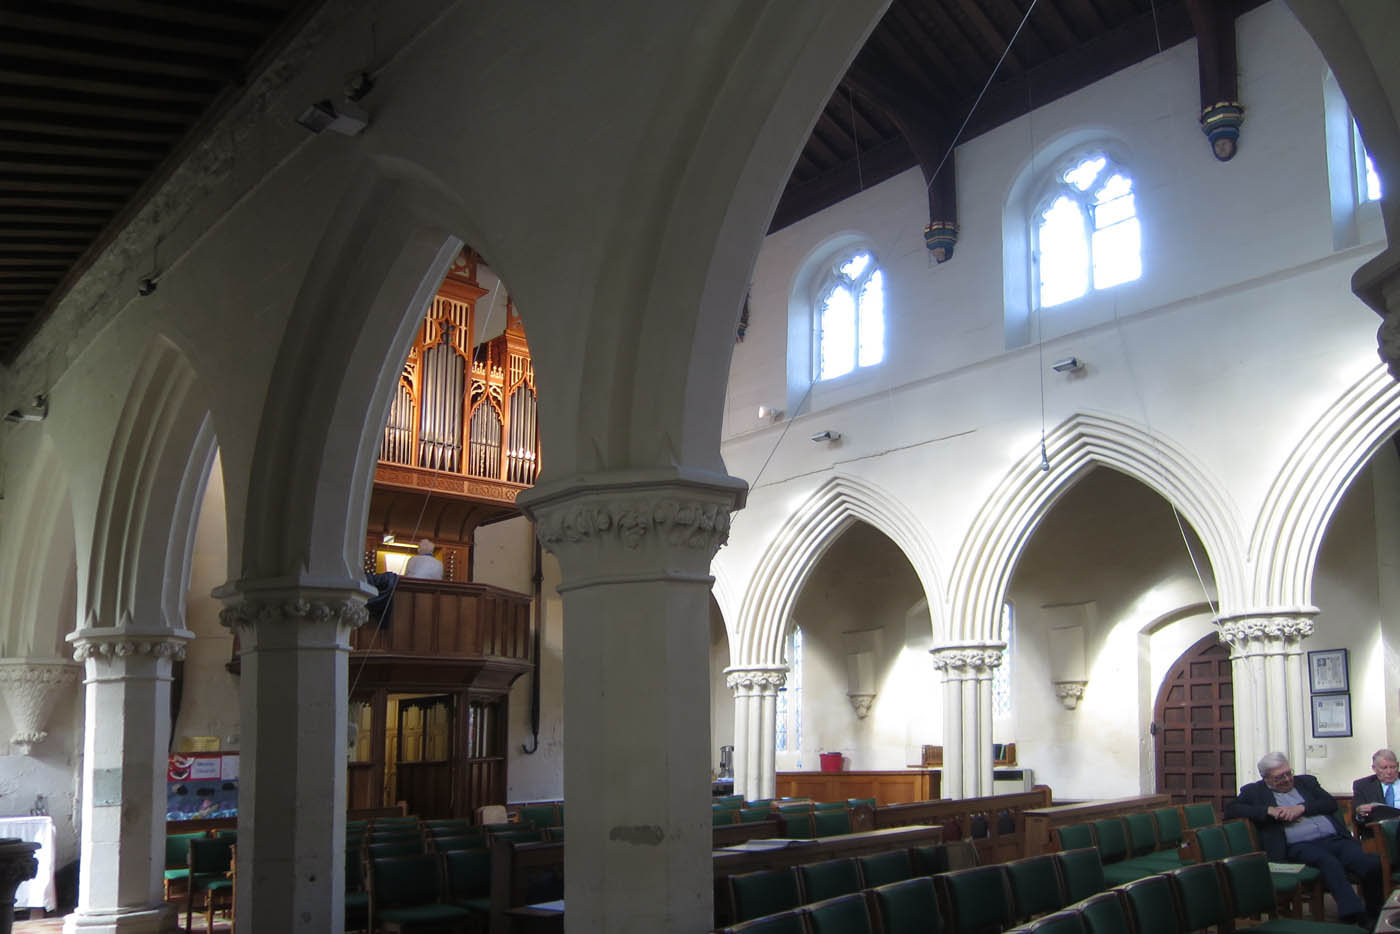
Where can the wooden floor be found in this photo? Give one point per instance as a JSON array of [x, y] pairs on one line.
[[56, 924]]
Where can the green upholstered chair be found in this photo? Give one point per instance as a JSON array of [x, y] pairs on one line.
[[1211, 843], [753, 815], [783, 922], [210, 863], [796, 825], [1142, 833], [908, 907], [1036, 886], [1112, 839], [394, 848], [473, 841], [762, 803], [554, 834], [1168, 821], [449, 827], [406, 894], [229, 835], [1105, 913], [795, 807], [468, 879], [1152, 906], [847, 914], [517, 834], [830, 806], [177, 867], [730, 800], [1199, 815], [831, 823], [829, 879], [1201, 897], [857, 802], [538, 816], [1075, 836], [1386, 844], [884, 868], [356, 898], [1082, 872], [978, 900], [1238, 837], [1061, 922], [765, 892], [1250, 888], [723, 817]]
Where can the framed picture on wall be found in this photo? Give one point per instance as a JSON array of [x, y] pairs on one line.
[[1331, 715], [1327, 671]]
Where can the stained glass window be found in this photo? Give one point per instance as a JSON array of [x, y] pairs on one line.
[[851, 316], [1087, 232]]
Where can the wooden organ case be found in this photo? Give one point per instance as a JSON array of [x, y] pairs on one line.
[[430, 681]]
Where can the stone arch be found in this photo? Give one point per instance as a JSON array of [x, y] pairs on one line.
[[794, 550], [154, 477], [725, 599], [38, 574], [1013, 510], [1299, 504]]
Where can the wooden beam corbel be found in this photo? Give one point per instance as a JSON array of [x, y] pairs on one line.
[[1221, 111], [923, 129]]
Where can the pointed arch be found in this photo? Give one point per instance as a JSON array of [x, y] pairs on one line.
[[37, 574], [793, 552], [1298, 507], [723, 593], [1011, 513], [151, 488]]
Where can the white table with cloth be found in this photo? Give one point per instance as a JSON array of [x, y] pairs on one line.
[[40, 891]]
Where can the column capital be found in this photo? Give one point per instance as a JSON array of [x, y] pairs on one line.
[[112, 643], [248, 603], [962, 659], [762, 676], [634, 526], [1275, 625]]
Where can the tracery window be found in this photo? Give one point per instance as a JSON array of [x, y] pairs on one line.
[[1085, 230], [1001, 675], [789, 716], [850, 315]]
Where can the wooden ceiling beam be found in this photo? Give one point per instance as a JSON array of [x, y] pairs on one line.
[[229, 16], [95, 132], [1065, 36], [20, 73], [990, 34], [107, 168], [162, 40], [827, 148], [1032, 45], [129, 59], [48, 107], [1221, 113], [16, 143], [1085, 12], [877, 165], [978, 65], [902, 40]]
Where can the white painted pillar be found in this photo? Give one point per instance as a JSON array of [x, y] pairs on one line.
[[755, 728], [634, 553], [967, 669], [1266, 658], [126, 740], [294, 643]]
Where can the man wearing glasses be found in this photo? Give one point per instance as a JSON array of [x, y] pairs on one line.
[[1297, 822], [1378, 789]]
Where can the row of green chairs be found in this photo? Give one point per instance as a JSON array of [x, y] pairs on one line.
[[1214, 894], [446, 891], [177, 870], [1132, 846], [1236, 838], [807, 825], [540, 815]]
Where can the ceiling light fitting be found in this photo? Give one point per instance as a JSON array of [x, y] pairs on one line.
[[768, 413], [826, 436], [1067, 365], [346, 117], [30, 413]]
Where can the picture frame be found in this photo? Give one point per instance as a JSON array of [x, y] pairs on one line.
[[1331, 715], [1327, 671]]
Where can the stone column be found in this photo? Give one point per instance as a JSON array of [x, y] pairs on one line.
[[967, 715], [126, 741], [634, 553], [755, 728], [295, 644], [1270, 687]]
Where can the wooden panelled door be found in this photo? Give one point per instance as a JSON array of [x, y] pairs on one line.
[[1194, 723]]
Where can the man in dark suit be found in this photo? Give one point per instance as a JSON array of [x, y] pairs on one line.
[[1375, 789], [1297, 822]]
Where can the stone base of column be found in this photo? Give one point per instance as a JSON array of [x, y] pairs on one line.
[[156, 920]]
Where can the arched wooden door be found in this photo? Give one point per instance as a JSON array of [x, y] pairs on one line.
[[1194, 725]]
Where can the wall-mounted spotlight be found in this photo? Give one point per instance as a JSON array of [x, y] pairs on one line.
[[768, 413], [147, 286], [30, 413], [344, 117], [1067, 365], [826, 436]]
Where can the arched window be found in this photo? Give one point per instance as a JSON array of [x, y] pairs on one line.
[[789, 717], [1085, 230], [850, 315]]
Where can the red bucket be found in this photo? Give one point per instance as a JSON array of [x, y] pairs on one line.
[[831, 761]]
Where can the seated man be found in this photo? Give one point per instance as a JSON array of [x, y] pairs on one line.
[[1297, 822], [1376, 789]]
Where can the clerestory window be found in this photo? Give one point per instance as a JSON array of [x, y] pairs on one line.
[[850, 316], [1086, 234]]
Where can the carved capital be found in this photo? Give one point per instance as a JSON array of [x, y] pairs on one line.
[[244, 614], [860, 703], [1070, 693], [755, 678], [31, 688], [1249, 633], [968, 660], [118, 644], [634, 522]]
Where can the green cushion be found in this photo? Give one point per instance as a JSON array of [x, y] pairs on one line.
[[884, 868], [829, 879], [845, 915], [1082, 871], [765, 892], [1113, 839], [1153, 906], [1252, 886], [978, 899], [1238, 837], [1063, 922], [1105, 913], [1203, 902], [1142, 833], [482, 905], [1076, 837], [1212, 843], [173, 874], [1168, 827], [831, 823], [356, 901], [908, 907], [1126, 871], [1199, 815], [787, 922], [1294, 926], [1035, 882]]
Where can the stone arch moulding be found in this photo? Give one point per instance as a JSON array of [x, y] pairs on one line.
[[147, 506], [723, 593], [1293, 519], [1013, 510], [789, 557], [40, 562]]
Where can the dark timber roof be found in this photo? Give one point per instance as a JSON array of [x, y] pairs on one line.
[[101, 99]]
